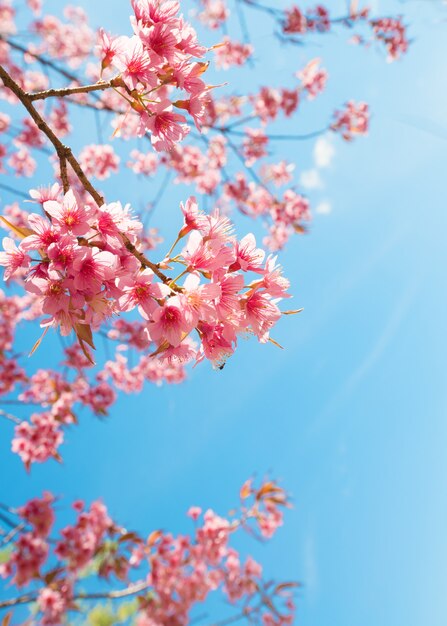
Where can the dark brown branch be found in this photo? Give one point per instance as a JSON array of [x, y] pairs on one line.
[[63, 151], [64, 174], [65, 155]]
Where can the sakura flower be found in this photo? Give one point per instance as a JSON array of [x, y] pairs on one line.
[[168, 322], [254, 146], [313, 79], [197, 107], [92, 266], [352, 120], [61, 254], [295, 21], [68, 216], [392, 32], [44, 233], [318, 19], [13, 258], [30, 554], [177, 356], [261, 314], [141, 292], [279, 173], [143, 163], [249, 258], [99, 161], [134, 62], [80, 541], [39, 512], [39, 440], [290, 99], [150, 12], [193, 218], [43, 194], [22, 163], [218, 342], [166, 127], [114, 219], [215, 13], [5, 121], [206, 256], [107, 47], [198, 299], [232, 53], [273, 281], [162, 40], [227, 302], [194, 512], [53, 606]]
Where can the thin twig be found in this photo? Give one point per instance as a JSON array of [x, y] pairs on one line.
[[274, 137], [100, 595], [69, 91], [10, 417], [12, 533], [40, 58], [16, 192]]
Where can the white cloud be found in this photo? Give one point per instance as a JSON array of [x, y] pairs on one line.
[[324, 208], [310, 179], [324, 152]]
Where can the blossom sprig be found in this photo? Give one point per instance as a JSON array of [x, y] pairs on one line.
[[295, 23], [169, 575], [161, 56], [83, 265]]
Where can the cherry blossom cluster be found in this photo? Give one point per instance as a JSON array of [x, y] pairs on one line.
[[231, 53], [143, 69], [295, 23], [169, 574], [147, 66], [214, 13], [70, 41], [352, 121], [84, 266], [99, 161], [392, 32], [389, 31]]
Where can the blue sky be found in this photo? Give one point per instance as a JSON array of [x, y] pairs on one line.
[[351, 416]]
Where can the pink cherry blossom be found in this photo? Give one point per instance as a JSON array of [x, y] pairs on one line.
[[13, 257]]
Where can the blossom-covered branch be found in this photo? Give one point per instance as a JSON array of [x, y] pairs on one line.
[[168, 574]]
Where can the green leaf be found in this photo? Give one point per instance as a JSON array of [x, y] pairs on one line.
[[5, 554], [101, 615], [126, 610]]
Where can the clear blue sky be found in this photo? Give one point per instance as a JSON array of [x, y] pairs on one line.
[[352, 414]]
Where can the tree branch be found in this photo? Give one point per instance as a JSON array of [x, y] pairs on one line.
[[65, 155], [100, 595], [41, 59], [63, 151], [69, 91]]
